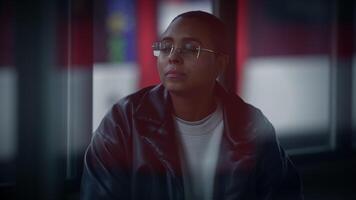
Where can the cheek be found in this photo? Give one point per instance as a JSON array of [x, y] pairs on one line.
[[207, 70], [160, 67]]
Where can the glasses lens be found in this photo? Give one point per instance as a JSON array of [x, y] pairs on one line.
[[190, 50], [155, 48], [166, 47], [162, 48]]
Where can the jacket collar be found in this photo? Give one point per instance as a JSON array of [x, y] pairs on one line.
[[157, 128], [156, 107]]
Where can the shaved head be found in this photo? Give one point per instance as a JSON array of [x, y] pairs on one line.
[[214, 27]]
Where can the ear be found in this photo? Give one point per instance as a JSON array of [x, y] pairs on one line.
[[223, 63]]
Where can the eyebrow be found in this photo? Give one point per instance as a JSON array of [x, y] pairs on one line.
[[185, 39]]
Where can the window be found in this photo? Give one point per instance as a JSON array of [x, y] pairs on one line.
[[289, 67], [8, 95]]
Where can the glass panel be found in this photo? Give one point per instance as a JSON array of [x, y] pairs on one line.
[[8, 94], [7, 124], [354, 99], [287, 68], [354, 81]]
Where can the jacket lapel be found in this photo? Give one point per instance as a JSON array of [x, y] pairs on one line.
[[158, 131], [237, 157]]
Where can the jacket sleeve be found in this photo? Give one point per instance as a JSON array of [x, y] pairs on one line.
[[277, 176], [106, 166]]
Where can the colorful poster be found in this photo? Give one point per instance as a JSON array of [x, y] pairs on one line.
[[121, 29]]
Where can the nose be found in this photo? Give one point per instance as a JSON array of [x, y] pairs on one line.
[[175, 56]]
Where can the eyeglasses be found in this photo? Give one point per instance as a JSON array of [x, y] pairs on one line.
[[189, 50]]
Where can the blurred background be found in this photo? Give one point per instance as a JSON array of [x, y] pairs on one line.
[[63, 64]]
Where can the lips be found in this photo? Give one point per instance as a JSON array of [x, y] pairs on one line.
[[174, 74]]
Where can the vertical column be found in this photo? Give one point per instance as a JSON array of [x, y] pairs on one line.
[[241, 41], [39, 169], [342, 73], [226, 10], [53, 61]]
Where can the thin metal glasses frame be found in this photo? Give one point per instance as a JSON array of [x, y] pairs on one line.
[[173, 48]]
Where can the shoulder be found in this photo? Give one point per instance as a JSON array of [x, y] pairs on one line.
[[237, 108], [258, 126], [131, 103], [121, 113], [249, 127], [245, 121], [134, 99], [247, 124]]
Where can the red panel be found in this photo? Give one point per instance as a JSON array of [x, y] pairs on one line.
[[146, 35]]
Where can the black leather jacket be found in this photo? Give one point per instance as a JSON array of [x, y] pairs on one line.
[[134, 153]]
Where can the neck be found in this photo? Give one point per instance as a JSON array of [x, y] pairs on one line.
[[193, 107]]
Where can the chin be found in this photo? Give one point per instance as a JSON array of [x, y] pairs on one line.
[[175, 87]]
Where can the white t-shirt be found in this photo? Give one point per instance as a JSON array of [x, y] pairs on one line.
[[200, 141]]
